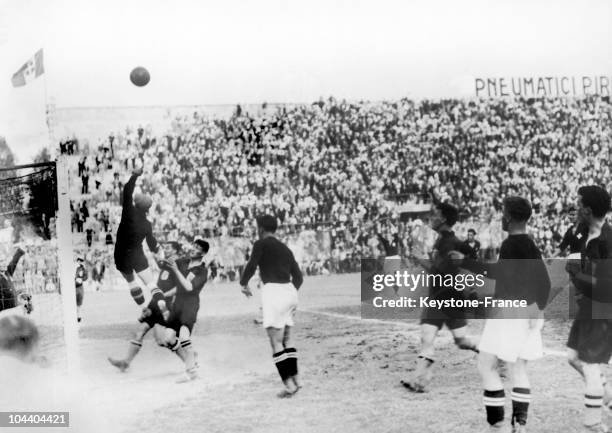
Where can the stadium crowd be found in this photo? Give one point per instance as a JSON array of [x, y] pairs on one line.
[[347, 170]]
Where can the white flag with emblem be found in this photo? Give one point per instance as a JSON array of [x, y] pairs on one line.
[[32, 69]]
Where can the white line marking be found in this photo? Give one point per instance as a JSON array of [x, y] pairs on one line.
[[359, 319], [548, 352]]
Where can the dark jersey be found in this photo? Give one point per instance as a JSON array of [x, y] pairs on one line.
[[596, 258], [473, 248], [276, 263], [134, 226], [195, 272], [81, 276], [573, 239], [391, 246], [442, 265], [520, 273], [166, 282]]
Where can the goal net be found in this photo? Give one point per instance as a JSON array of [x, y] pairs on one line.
[[29, 238]]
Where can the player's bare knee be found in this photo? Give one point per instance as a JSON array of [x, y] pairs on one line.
[[286, 338], [487, 363], [276, 338], [184, 333], [572, 358]]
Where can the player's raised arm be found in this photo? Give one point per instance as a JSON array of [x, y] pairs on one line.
[[128, 189], [194, 281]]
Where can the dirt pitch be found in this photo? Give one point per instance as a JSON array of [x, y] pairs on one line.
[[350, 368]]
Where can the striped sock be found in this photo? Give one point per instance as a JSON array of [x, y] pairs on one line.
[[494, 404], [282, 364], [185, 344], [157, 294], [592, 410], [292, 361], [137, 295], [521, 397]]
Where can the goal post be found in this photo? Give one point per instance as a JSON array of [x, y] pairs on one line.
[[35, 216], [67, 268]]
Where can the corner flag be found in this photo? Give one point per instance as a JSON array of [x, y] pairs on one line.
[[32, 69]]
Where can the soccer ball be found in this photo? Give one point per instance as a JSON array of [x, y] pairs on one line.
[[140, 76]]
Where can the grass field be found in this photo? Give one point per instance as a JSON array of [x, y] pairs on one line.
[[350, 368]]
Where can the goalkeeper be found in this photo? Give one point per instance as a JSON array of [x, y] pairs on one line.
[[130, 259], [10, 298]]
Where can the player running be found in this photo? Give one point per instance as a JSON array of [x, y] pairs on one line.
[[442, 220], [129, 255], [282, 278], [512, 335], [189, 275], [590, 339], [472, 244]]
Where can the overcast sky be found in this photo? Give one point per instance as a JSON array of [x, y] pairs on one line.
[[230, 51]]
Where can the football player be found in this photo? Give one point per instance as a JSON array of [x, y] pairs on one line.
[[190, 275], [130, 259], [442, 220], [512, 335], [152, 316]]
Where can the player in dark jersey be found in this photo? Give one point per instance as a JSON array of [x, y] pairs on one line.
[[443, 218], [152, 317], [282, 278], [512, 335], [590, 339], [574, 236], [472, 244], [79, 280], [133, 229], [190, 275], [9, 297]]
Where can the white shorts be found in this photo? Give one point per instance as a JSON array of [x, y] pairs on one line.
[[512, 339], [278, 303]]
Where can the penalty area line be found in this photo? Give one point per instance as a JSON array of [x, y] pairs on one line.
[[360, 319], [412, 326]]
